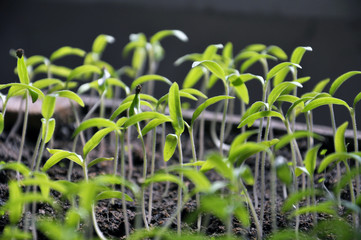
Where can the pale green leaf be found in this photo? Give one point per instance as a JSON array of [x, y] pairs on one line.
[[244, 151], [47, 82], [175, 109], [277, 52], [81, 70], [22, 70], [298, 53], [207, 103], [286, 139], [321, 85], [153, 124], [101, 42], [213, 67], [324, 101], [94, 122], [157, 37], [276, 69], [277, 91], [339, 139], [48, 106], [49, 131], [170, 145], [99, 160], [112, 194], [311, 159], [95, 140], [282, 170], [253, 117], [193, 77], [71, 95], [144, 116], [66, 51], [59, 155], [340, 80], [336, 157], [147, 78]]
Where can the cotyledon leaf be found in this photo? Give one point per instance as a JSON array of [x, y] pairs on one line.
[[175, 109], [324, 101], [147, 78], [340, 80], [170, 145]]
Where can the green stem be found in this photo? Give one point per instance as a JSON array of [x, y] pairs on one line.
[[263, 166], [356, 148], [144, 175], [25, 124], [179, 201], [150, 202], [42, 146], [224, 118], [352, 194], [122, 166], [36, 151]]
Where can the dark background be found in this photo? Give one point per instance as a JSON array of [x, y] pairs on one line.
[[331, 27]]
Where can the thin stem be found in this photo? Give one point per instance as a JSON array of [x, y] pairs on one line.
[[263, 166], [36, 151], [224, 118], [42, 146], [150, 202], [273, 194], [357, 164], [253, 211], [164, 162], [130, 156], [144, 175], [179, 202], [25, 124], [122, 166], [352, 194]]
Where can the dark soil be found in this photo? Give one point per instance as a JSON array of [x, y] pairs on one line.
[[109, 214]]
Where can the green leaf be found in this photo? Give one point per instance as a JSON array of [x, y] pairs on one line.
[[23, 71], [324, 207], [22, 86], [139, 58], [255, 58], [170, 145], [71, 95], [98, 160], [246, 174], [147, 78], [340, 80], [55, 70], [117, 82], [157, 37], [356, 100], [253, 117], [94, 122], [113, 194], [14, 204], [296, 197], [2, 122], [216, 161], [277, 52], [47, 82], [276, 69], [175, 109], [59, 155], [125, 106], [112, 180], [101, 42], [345, 179], [286, 139], [95, 140], [311, 159], [338, 156], [66, 51], [207, 103], [324, 101], [321, 85], [145, 116], [280, 77], [287, 98], [193, 77], [244, 151], [50, 131], [36, 59], [19, 167], [153, 124], [213, 67], [240, 139], [48, 106], [240, 87], [163, 177], [255, 107], [282, 170], [298, 53], [81, 70], [194, 92], [200, 181], [211, 51], [277, 91], [339, 139], [188, 57]]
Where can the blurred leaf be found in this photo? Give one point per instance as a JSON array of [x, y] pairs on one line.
[[277, 52], [244, 151], [147, 78], [193, 77], [286, 139], [157, 37], [22, 70], [48, 106], [338, 156], [94, 122], [2, 122], [246, 175], [282, 170], [339, 139], [47, 82], [53, 69], [215, 160], [112, 194], [164, 177], [84, 69], [252, 60], [276, 91], [296, 197], [153, 124], [71, 95], [276, 69], [324, 207], [66, 51], [311, 159], [101, 42], [321, 85], [145, 116]]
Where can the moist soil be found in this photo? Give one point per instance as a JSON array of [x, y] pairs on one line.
[[109, 213]]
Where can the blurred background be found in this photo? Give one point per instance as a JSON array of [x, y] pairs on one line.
[[331, 27]]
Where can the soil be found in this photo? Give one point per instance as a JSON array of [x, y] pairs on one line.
[[109, 214]]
